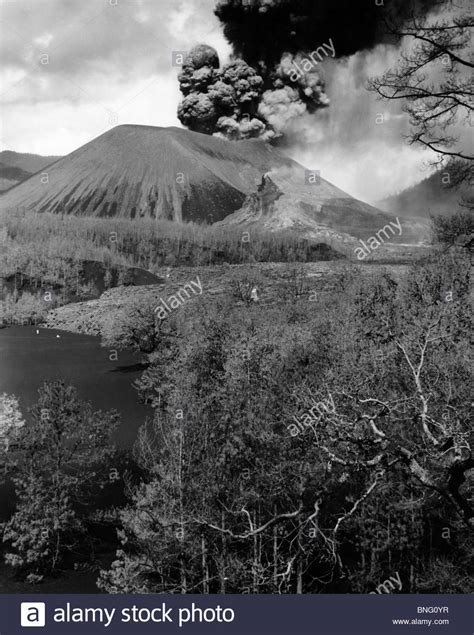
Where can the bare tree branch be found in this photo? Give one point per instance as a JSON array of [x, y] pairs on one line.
[[254, 531]]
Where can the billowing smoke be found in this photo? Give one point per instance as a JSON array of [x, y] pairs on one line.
[[220, 101], [239, 101], [275, 78], [261, 30]]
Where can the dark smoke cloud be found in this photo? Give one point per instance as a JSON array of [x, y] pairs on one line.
[[280, 47], [261, 30], [220, 101], [237, 102]]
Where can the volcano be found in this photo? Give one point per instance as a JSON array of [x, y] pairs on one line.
[[135, 171]]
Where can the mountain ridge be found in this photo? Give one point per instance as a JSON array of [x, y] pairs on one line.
[[431, 196], [27, 161], [16, 167]]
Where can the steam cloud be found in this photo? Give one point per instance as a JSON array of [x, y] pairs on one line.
[[275, 78]]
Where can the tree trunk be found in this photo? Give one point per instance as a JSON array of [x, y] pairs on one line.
[[205, 568], [299, 566], [389, 544], [255, 560], [275, 557], [184, 582], [224, 555], [181, 510]]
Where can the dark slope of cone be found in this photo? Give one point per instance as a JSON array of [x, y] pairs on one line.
[[171, 173]]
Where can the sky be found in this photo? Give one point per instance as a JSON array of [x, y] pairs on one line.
[[72, 69]]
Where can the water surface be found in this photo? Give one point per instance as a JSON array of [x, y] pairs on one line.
[[30, 355]]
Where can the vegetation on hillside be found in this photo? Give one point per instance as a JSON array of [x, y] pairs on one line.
[[46, 253], [30, 241], [302, 450], [454, 230]]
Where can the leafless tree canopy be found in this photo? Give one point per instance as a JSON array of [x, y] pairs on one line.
[[434, 78]]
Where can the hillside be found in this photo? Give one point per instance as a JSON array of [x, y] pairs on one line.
[[11, 175], [275, 282], [170, 173], [30, 163], [338, 220], [16, 167], [429, 197]]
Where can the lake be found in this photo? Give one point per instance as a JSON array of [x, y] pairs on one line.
[[30, 355]]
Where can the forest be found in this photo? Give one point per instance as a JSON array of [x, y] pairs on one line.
[[222, 496], [30, 240]]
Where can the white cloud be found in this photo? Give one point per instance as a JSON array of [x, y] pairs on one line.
[[102, 59], [44, 40]]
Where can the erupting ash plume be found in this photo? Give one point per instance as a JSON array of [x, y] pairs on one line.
[[275, 77], [240, 101], [219, 100]]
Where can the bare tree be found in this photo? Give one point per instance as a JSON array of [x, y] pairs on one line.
[[434, 78]]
